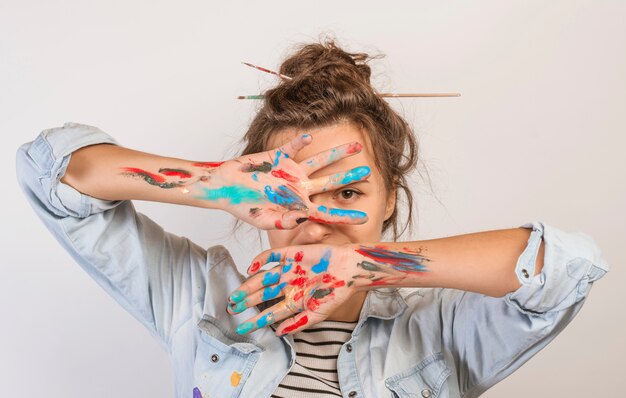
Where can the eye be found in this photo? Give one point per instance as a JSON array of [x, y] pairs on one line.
[[348, 195]]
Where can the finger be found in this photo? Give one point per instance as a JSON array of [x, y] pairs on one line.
[[290, 219], [256, 282], [290, 149], [329, 156], [268, 293], [292, 294], [265, 257], [263, 286], [271, 315], [325, 215], [278, 218], [334, 181]]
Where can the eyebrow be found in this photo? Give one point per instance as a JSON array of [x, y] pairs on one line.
[[352, 184]]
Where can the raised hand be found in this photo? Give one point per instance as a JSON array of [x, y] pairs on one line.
[[316, 279], [267, 190]]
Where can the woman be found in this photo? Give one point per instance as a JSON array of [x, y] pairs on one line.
[[325, 162]]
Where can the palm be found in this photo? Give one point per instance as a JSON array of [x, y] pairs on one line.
[[269, 190]]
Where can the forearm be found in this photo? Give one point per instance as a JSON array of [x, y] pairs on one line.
[[113, 172], [482, 262]]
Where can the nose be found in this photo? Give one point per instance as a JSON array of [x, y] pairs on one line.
[[313, 232]]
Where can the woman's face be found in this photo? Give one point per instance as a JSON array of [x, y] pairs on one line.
[[369, 196]]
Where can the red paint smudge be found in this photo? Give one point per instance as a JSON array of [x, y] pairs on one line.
[[208, 165], [339, 284], [300, 322], [299, 270], [377, 255], [298, 257], [175, 173], [157, 178], [354, 148], [322, 221], [313, 304], [328, 278], [299, 281], [278, 224], [255, 266], [298, 295], [386, 281], [284, 175]]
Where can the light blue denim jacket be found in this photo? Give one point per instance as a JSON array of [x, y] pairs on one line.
[[429, 342]]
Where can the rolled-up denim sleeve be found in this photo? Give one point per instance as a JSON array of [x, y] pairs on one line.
[[155, 275], [491, 337], [572, 262]]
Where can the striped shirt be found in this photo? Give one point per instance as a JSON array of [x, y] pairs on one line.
[[314, 373]]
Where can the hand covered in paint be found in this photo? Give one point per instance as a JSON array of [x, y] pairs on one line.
[[314, 279], [317, 279], [269, 190]]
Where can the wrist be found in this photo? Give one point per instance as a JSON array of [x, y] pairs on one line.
[[188, 182], [376, 266], [360, 277]]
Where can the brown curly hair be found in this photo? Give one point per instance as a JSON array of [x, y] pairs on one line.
[[328, 86]]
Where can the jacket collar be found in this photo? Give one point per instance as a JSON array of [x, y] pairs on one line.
[[382, 303]]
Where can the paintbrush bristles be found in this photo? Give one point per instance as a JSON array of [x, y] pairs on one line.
[[250, 97], [262, 69]]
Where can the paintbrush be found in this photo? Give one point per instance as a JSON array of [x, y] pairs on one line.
[[390, 95], [262, 69]]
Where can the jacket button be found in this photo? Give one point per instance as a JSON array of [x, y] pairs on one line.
[[215, 357], [352, 394], [426, 393], [349, 349]]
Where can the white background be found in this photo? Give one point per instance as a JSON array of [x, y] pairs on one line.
[[538, 134]]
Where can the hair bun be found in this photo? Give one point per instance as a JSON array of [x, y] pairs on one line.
[[326, 60]]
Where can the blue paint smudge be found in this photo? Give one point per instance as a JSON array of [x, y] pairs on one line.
[[406, 262], [278, 155], [287, 267], [284, 196], [236, 194], [323, 264], [271, 278], [272, 291], [274, 257], [237, 296], [197, 393], [342, 213], [255, 177], [239, 307], [262, 321], [356, 174], [245, 327]]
